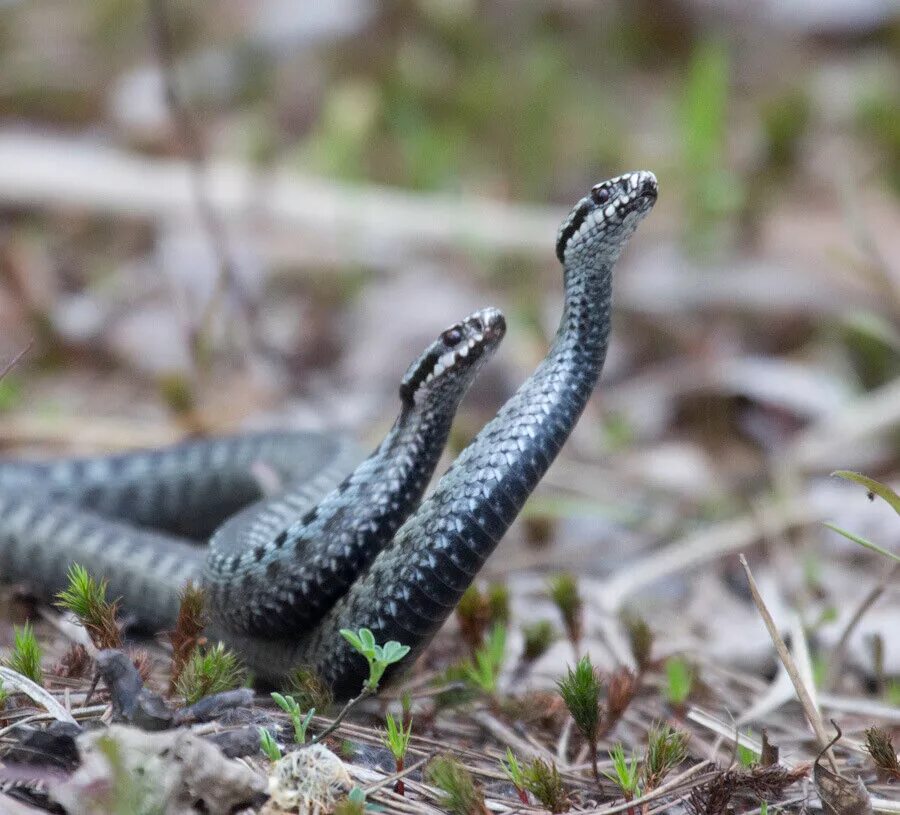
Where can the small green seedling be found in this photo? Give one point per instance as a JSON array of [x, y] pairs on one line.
[[640, 639], [881, 749], [461, 796], [666, 749], [539, 636], [209, 671], [188, 631], [26, 654], [379, 657], [563, 589], [300, 722], [396, 739], [679, 681], [581, 690], [268, 745], [544, 783], [892, 692], [626, 772], [498, 603], [746, 756], [354, 804], [473, 615], [484, 670], [514, 772], [85, 597]]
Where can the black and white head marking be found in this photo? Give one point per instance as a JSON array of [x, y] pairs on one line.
[[608, 207], [455, 352]]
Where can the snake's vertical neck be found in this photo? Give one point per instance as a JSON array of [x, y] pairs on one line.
[[414, 584]]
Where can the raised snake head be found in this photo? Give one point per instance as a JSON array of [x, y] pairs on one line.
[[447, 367], [606, 218]]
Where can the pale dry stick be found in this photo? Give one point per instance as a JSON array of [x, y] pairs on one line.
[[809, 708], [839, 652], [562, 743], [724, 730], [15, 360], [803, 660], [34, 717], [14, 681], [713, 542], [391, 779], [82, 712], [865, 708], [507, 735], [67, 626], [60, 172], [365, 693], [365, 775], [616, 640]]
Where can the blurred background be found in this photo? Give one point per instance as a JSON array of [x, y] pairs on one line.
[[236, 214]]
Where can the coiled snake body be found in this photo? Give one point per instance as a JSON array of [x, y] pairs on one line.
[[283, 575]]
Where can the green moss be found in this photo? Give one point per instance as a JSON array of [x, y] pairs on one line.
[[26, 654]]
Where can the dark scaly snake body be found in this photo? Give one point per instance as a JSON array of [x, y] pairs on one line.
[[56, 513], [419, 573]]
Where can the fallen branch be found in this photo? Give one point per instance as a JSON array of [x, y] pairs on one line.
[[803, 693]]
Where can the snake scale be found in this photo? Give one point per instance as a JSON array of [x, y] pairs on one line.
[[283, 574]]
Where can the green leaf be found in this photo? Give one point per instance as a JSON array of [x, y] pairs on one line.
[[393, 651], [367, 638], [862, 541], [703, 107], [873, 486], [351, 637], [268, 745]]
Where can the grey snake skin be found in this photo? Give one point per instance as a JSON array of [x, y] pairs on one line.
[[284, 574]]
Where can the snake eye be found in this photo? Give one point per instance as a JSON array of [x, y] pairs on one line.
[[451, 337], [600, 195]]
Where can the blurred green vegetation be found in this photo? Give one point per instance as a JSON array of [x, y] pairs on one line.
[[711, 191], [879, 119], [10, 392], [436, 100]]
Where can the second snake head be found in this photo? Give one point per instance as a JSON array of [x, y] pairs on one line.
[[447, 367]]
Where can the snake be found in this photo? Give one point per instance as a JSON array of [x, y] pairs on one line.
[[284, 573]]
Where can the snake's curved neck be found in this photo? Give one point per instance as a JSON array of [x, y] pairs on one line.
[[414, 584], [291, 580]]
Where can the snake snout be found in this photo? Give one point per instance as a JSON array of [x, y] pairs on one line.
[[494, 323], [648, 185]]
